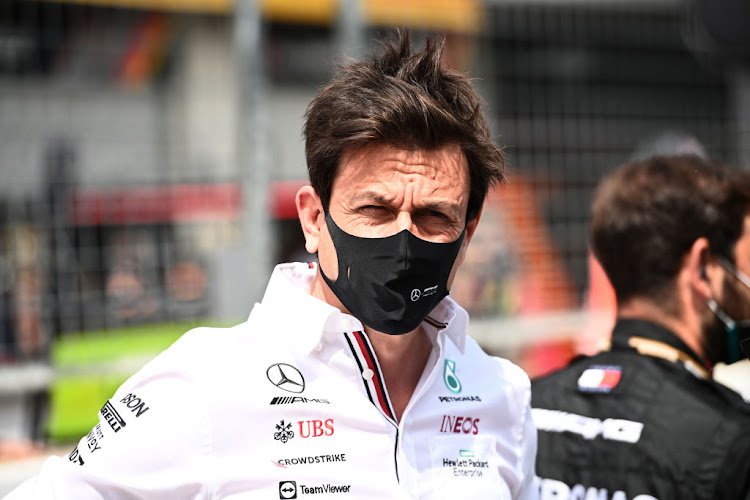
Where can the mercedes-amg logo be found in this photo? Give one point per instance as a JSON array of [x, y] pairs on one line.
[[286, 377], [415, 294]]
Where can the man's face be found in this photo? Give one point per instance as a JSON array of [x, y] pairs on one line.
[[381, 190], [733, 299]]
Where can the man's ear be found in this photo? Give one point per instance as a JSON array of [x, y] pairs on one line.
[[700, 268], [471, 227], [310, 212]]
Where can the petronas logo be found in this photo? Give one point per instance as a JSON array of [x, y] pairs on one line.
[[450, 378]]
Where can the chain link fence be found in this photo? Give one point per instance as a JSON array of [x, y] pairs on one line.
[[147, 186]]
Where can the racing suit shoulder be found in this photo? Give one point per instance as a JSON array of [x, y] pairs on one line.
[[151, 440], [734, 475], [508, 382], [504, 371], [620, 421], [514, 375]]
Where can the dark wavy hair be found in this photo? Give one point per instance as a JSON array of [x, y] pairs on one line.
[[406, 100], [647, 215]]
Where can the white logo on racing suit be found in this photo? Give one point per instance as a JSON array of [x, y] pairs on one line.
[[614, 429]]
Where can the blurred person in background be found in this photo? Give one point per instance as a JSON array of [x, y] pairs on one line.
[[601, 302], [354, 375], [644, 419], [669, 142]]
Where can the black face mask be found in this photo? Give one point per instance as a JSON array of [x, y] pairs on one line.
[[736, 336], [390, 284]]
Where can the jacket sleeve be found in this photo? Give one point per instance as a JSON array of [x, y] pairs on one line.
[[734, 477], [529, 488], [151, 441], [517, 404]]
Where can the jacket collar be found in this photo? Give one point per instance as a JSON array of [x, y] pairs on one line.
[[452, 322], [299, 318], [624, 329], [303, 320]]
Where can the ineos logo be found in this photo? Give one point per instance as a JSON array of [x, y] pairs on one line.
[[415, 294], [459, 425], [286, 377]]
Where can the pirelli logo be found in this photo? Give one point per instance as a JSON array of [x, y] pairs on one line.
[[112, 417]]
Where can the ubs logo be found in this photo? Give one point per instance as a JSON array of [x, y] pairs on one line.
[[316, 428], [286, 377], [287, 489], [307, 429], [283, 432]]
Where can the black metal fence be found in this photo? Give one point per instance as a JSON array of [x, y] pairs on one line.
[[122, 192]]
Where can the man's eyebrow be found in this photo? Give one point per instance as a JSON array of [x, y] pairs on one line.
[[372, 196], [446, 207]]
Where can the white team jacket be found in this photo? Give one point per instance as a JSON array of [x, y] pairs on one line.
[[291, 404]]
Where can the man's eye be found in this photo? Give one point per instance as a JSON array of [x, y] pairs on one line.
[[372, 208], [434, 214]]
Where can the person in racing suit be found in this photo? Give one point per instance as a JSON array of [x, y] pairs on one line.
[[643, 419]]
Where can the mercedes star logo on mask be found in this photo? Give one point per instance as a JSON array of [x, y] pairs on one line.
[[415, 294], [286, 377]]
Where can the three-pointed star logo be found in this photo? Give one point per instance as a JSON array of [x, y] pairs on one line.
[[415, 294], [286, 377]]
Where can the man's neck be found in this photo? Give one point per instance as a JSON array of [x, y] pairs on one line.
[[688, 331], [402, 359]]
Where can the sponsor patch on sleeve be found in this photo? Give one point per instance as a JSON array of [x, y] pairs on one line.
[[599, 378]]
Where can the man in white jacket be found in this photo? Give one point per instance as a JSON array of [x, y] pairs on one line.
[[354, 377]]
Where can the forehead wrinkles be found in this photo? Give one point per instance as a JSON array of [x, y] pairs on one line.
[[382, 163]]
